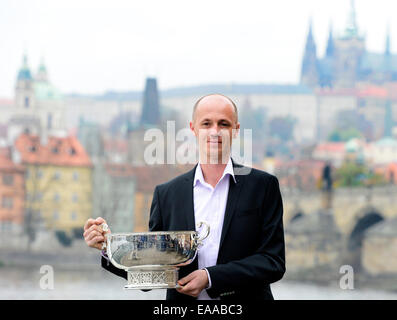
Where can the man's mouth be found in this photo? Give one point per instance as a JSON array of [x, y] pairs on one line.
[[214, 141]]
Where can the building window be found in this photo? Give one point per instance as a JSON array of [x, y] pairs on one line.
[[55, 215], [8, 179], [26, 102], [39, 174], [57, 197], [75, 176], [6, 226], [74, 197], [39, 196], [57, 175], [49, 121], [73, 216], [7, 202]]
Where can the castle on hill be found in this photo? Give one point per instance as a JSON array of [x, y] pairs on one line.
[[346, 61]]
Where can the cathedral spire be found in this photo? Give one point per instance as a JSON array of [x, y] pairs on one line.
[[330, 44], [42, 72], [352, 28], [387, 46], [309, 62], [310, 48], [25, 60], [310, 39], [24, 72]]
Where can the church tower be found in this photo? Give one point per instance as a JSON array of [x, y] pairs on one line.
[[24, 90], [150, 107], [25, 118], [309, 72], [388, 58], [349, 49], [39, 106], [326, 64], [329, 52], [42, 75]]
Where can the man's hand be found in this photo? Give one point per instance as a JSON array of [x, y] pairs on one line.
[[193, 283], [93, 234]]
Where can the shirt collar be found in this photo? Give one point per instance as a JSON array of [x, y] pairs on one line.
[[198, 176]]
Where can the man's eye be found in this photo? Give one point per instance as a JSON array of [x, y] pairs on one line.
[[205, 124]]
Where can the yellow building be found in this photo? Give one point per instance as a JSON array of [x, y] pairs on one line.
[[58, 182], [147, 178]]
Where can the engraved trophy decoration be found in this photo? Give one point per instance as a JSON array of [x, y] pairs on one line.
[[152, 259]]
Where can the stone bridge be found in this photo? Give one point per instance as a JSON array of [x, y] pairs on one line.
[[351, 226], [349, 206]]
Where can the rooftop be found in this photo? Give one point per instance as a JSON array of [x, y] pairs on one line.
[[386, 142], [6, 163], [46, 91], [330, 147], [65, 151]]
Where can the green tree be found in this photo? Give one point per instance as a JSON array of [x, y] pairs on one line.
[[352, 174], [339, 135]]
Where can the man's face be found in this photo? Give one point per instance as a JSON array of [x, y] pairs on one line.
[[215, 125]]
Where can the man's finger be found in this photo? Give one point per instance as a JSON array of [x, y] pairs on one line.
[[100, 220], [88, 223], [184, 289], [95, 240], [92, 221], [92, 234], [92, 228], [189, 289], [186, 279]]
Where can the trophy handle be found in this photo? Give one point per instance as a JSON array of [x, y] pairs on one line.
[[105, 228], [206, 233]]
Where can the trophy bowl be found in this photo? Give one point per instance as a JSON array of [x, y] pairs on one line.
[[152, 259]]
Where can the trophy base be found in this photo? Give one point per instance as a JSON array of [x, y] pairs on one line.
[[152, 278]]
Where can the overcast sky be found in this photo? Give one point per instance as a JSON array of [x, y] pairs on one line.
[[91, 46]]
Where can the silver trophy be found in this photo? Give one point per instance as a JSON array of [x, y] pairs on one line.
[[152, 259]]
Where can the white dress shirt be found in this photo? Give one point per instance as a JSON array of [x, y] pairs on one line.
[[210, 206]]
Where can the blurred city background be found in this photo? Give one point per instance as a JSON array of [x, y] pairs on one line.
[[322, 109]]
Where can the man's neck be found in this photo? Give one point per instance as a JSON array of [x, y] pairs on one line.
[[212, 172]]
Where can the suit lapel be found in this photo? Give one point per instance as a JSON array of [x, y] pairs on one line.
[[187, 197], [232, 198]]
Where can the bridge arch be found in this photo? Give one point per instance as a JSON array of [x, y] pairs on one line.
[[366, 218]]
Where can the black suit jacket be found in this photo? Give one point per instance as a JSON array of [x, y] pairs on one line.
[[252, 250]]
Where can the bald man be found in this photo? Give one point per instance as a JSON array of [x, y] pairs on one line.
[[245, 250]]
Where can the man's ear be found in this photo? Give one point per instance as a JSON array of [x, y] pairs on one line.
[[192, 127]]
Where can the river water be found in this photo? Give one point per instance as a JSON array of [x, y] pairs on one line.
[[97, 283]]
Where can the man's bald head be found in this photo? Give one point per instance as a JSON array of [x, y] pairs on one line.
[[214, 96]]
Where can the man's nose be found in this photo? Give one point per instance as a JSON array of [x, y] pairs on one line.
[[214, 130]]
